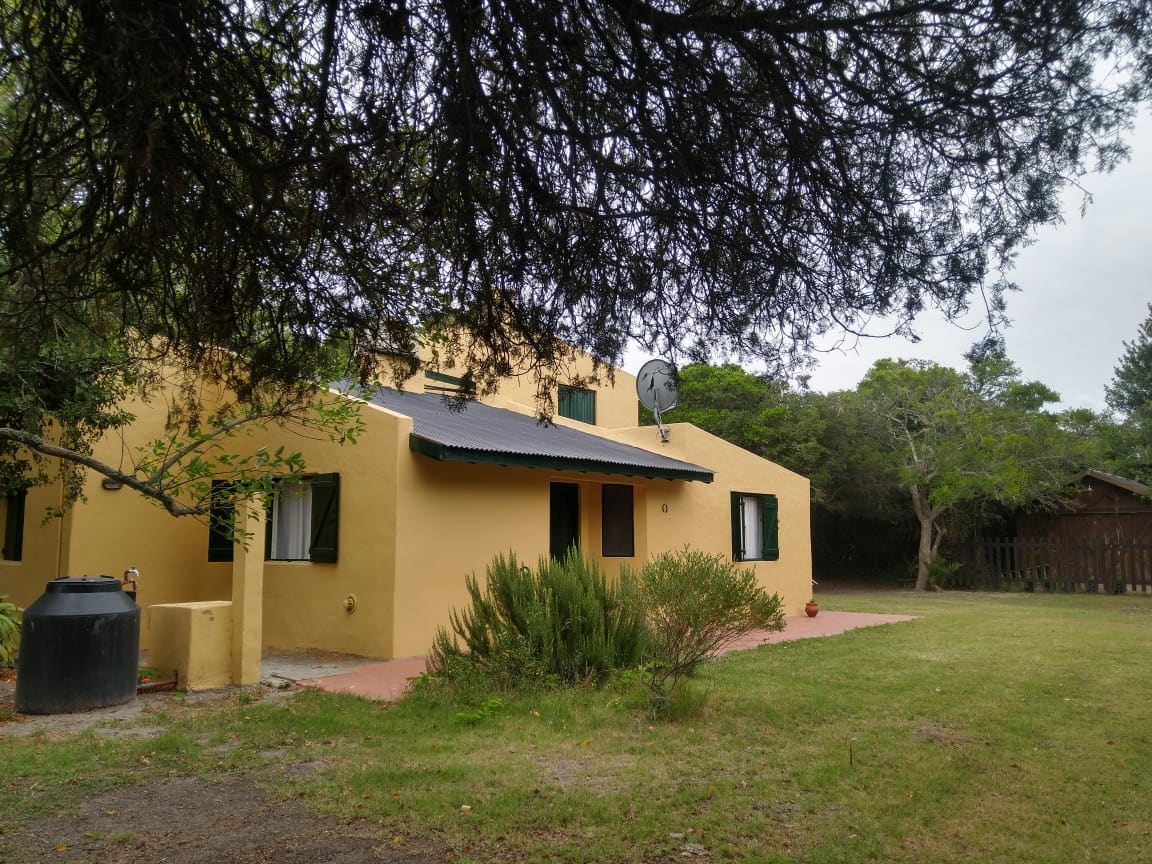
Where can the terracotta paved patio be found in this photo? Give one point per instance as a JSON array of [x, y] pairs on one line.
[[387, 680]]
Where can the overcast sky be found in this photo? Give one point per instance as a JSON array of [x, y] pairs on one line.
[[1085, 286]]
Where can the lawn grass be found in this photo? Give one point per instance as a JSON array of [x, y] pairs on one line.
[[1007, 727]]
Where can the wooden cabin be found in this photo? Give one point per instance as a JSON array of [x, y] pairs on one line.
[[1108, 508], [1100, 541]]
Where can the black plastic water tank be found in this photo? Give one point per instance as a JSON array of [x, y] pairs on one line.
[[79, 647]]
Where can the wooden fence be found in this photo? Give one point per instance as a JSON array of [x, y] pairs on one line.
[[1048, 564]]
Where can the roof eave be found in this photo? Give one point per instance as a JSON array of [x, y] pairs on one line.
[[1133, 486], [446, 453]]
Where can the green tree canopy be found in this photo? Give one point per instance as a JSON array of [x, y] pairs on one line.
[[234, 184], [1130, 391], [1129, 394], [963, 442], [755, 412], [859, 512]]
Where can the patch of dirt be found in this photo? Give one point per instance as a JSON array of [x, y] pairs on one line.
[[189, 820], [945, 736], [600, 774], [127, 719], [193, 820]]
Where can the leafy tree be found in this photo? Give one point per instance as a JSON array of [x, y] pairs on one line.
[[1130, 392], [1126, 445], [756, 412], [229, 186], [861, 515], [960, 443], [1129, 440], [967, 446], [992, 376]]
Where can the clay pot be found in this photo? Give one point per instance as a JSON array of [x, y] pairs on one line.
[[811, 608]]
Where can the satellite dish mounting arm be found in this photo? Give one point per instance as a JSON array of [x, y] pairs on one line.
[[660, 423]]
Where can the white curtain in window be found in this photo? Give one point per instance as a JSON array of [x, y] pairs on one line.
[[292, 522], [753, 535]]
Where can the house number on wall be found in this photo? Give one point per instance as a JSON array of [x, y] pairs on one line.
[[664, 508]]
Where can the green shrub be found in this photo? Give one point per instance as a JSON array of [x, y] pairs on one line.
[[694, 604], [561, 621], [490, 708], [940, 570], [9, 631]]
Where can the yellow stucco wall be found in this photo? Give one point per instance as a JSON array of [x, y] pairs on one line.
[[700, 514], [615, 400], [616, 404], [194, 640], [111, 530], [592, 527], [454, 520], [457, 517], [412, 528], [304, 602], [23, 581]]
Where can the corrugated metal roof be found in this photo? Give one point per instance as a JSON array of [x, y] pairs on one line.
[[469, 431], [1133, 486]]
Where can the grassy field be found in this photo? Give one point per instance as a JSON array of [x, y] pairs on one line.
[[997, 728]]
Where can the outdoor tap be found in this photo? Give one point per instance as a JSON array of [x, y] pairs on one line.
[[130, 577]]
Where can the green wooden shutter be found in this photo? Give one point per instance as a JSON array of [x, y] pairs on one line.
[[737, 519], [617, 535], [576, 403], [325, 518], [221, 514], [770, 521], [269, 509], [587, 411], [14, 527]]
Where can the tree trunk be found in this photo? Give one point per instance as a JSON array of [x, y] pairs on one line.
[[926, 554]]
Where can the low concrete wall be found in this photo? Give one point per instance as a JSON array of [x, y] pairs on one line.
[[195, 640]]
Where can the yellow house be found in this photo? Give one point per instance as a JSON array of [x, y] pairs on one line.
[[369, 554]]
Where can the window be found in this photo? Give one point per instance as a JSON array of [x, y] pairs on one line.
[[304, 520], [564, 518], [576, 403], [618, 537], [221, 512], [755, 527], [12, 520], [448, 385]]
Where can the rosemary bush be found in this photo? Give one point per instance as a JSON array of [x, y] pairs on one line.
[[561, 621]]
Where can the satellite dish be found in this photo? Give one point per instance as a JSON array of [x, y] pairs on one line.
[[656, 387]]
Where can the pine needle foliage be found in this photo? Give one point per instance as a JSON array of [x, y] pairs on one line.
[[563, 621]]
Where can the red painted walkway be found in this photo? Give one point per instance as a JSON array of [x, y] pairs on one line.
[[387, 680]]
